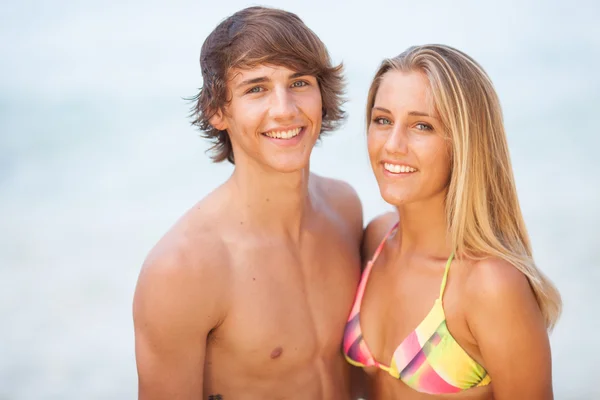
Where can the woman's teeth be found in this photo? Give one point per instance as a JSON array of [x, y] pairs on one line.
[[283, 134], [397, 169]]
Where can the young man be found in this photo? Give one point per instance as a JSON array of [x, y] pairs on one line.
[[246, 297]]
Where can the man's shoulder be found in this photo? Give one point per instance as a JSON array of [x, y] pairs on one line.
[[191, 249], [337, 193], [185, 249], [341, 198], [187, 270], [182, 288], [338, 186]]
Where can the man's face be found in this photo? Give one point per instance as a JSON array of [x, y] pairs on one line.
[[274, 117]]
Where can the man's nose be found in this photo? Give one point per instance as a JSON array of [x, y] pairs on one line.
[[283, 104]]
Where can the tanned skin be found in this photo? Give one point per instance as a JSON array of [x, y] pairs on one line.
[[247, 296], [490, 308]]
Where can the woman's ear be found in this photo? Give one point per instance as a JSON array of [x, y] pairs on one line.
[[218, 121]]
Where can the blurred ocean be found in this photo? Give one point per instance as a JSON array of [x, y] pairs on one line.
[[97, 160]]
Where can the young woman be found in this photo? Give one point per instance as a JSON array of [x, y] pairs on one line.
[[451, 303]]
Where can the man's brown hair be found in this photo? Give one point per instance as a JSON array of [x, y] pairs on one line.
[[259, 35]]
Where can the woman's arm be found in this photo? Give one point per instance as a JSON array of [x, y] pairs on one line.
[[507, 324]]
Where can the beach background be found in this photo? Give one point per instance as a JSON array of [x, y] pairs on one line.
[[98, 159]]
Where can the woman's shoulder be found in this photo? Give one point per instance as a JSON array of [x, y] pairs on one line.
[[376, 231], [495, 287], [494, 277]]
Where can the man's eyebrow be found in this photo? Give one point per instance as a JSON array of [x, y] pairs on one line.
[[263, 79], [260, 79], [298, 75]]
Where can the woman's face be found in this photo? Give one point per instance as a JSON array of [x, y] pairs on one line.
[[408, 149]]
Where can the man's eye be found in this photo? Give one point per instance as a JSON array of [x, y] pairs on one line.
[[299, 84], [255, 89]]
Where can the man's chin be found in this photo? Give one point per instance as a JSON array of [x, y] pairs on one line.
[[289, 163]]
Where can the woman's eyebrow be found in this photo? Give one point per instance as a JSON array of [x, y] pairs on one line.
[[385, 110]]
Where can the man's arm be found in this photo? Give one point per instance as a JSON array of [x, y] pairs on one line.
[[178, 300]]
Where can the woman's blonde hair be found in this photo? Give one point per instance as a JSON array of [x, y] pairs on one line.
[[483, 213]]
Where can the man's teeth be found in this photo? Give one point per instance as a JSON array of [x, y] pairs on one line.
[[397, 169], [283, 134]]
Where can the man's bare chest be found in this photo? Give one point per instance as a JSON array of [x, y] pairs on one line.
[[289, 305]]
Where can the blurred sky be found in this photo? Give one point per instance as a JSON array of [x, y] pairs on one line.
[[98, 159]]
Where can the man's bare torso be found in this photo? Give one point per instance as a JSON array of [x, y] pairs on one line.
[[285, 302]]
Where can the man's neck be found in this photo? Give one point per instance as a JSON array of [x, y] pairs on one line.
[[424, 229], [271, 200]]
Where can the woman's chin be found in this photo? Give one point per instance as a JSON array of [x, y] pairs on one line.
[[394, 198]]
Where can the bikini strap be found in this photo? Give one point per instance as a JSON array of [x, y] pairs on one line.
[[443, 287], [366, 272], [380, 247]]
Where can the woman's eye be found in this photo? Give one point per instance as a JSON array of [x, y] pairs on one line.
[[424, 127], [382, 121]]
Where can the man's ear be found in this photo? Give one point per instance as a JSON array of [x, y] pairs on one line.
[[218, 121]]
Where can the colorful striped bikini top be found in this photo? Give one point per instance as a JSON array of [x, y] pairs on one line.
[[429, 360]]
